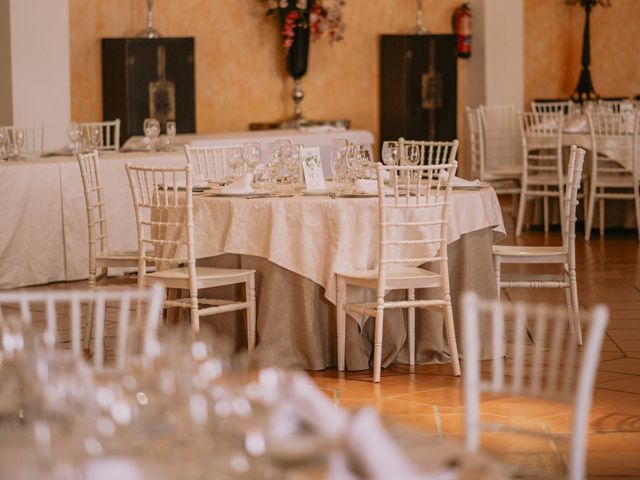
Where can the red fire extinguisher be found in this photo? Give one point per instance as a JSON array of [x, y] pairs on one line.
[[462, 27]]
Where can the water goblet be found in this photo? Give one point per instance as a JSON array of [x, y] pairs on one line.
[[251, 155], [234, 162], [75, 135], [363, 160], [390, 153], [293, 163], [151, 128], [171, 135], [413, 155], [93, 134], [274, 161], [18, 142], [3, 142]]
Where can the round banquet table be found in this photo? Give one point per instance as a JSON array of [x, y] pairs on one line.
[[297, 244]]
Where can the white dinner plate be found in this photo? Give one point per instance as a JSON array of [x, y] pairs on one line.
[[471, 187]]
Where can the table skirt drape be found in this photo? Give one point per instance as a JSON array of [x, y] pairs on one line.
[[296, 322]]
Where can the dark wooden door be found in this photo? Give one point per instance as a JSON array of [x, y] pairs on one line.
[[144, 78], [418, 87]]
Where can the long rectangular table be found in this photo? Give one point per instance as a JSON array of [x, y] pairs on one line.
[[43, 237]]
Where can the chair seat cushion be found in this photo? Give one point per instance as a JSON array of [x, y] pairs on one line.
[[205, 276], [397, 277]]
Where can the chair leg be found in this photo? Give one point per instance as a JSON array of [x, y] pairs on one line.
[[521, 207], [195, 316], [412, 327], [250, 295], [545, 208], [514, 204], [91, 308], [589, 220], [377, 344], [340, 320], [601, 212], [451, 336], [496, 269], [575, 306], [636, 196]]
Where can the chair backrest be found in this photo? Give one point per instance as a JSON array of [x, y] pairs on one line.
[[541, 143], [163, 202], [622, 105], [572, 185], [32, 143], [564, 107], [476, 143], [210, 162], [95, 205], [413, 221], [423, 152], [109, 137], [109, 304], [498, 125], [550, 367], [614, 139]]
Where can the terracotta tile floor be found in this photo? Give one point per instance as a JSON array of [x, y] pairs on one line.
[[429, 398]]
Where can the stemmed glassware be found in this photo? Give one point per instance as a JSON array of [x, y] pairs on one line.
[[151, 128], [293, 163], [93, 135], [251, 154], [18, 142], [339, 163], [3, 142], [171, 135], [75, 137], [235, 162]]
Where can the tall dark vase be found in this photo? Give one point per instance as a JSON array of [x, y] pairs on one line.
[[298, 54]]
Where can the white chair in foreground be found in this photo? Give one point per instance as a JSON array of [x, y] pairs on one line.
[[542, 167], [412, 232], [564, 255], [550, 368], [209, 163], [108, 134], [509, 185], [614, 174], [164, 216], [116, 303]]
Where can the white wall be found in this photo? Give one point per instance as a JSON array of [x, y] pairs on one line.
[[496, 67], [40, 76]]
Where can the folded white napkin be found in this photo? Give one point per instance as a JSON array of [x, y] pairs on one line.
[[240, 185], [374, 453], [577, 125], [362, 185], [459, 182], [315, 408]]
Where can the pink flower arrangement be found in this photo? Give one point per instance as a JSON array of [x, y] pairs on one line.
[[320, 16]]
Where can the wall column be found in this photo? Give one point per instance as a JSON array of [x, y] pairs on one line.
[[35, 87]]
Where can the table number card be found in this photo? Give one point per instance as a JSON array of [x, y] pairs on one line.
[[312, 168]]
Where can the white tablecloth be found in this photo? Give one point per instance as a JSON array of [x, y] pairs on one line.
[[44, 224]]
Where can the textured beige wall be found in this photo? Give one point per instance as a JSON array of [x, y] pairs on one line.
[[553, 46], [240, 74]]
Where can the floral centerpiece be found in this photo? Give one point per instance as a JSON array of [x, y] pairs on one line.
[[317, 16]]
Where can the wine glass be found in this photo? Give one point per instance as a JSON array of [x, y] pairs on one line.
[[234, 161], [75, 135], [413, 156], [363, 160], [251, 155], [171, 135], [293, 160], [3, 142], [93, 135], [274, 161], [18, 141], [390, 153], [151, 128]]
